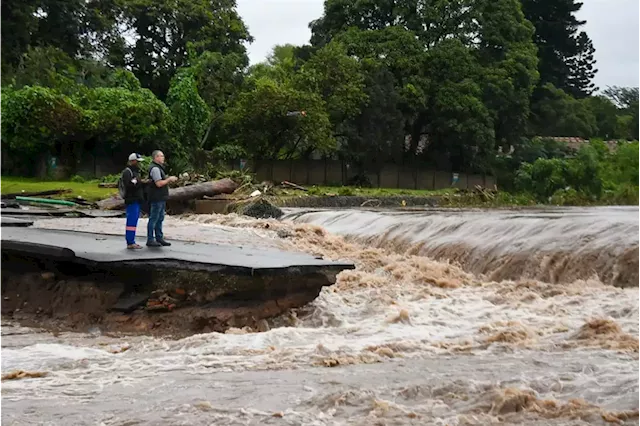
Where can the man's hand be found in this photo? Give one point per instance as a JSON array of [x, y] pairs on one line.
[[172, 179]]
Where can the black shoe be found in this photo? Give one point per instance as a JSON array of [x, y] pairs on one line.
[[153, 244], [163, 242]]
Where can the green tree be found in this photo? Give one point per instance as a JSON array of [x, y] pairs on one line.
[[219, 77], [606, 116], [558, 114], [623, 165], [17, 22], [375, 134], [432, 22], [566, 59], [508, 55], [34, 118], [79, 28], [121, 120], [190, 114], [542, 178], [626, 99], [39, 121], [336, 77], [165, 31], [582, 68], [261, 123]]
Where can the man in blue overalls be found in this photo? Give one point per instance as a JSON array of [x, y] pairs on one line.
[[133, 198]]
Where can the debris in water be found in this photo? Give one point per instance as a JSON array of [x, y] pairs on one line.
[[598, 327], [607, 334], [203, 406], [20, 374], [257, 207], [402, 317], [511, 401], [510, 335], [120, 350]]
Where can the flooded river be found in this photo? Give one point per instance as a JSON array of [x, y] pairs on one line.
[[450, 318]]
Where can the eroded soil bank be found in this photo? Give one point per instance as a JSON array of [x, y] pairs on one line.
[[65, 296]]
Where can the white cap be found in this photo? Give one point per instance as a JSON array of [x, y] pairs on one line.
[[136, 157]]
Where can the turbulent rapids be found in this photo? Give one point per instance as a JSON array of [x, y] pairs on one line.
[[554, 245], [450, 317]]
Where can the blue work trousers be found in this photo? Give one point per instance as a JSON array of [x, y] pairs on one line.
[[133, 213]]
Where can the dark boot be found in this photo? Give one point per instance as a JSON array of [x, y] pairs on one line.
[[153, 244], [163, 242]]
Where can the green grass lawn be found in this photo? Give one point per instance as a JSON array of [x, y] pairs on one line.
[[87, 190]]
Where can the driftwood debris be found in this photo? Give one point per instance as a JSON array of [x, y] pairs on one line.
[[257, 207], [13, 196], [108, 185], [192, 192], [294, 186]]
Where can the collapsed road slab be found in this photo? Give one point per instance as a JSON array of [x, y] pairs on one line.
[[75, 280], [83, 247]]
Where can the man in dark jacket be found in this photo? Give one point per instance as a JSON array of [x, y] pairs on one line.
[[158, 195], [133, 198]]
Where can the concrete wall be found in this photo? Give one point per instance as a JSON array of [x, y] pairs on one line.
[[333, 172]]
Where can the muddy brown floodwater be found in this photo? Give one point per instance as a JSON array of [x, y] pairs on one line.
[[450, 318]]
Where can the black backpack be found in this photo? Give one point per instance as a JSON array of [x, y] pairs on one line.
[[121, 187]]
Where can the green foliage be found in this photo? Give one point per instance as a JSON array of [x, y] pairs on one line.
[[123, 79], [34, 118], [566, 56], [123, 118], [165, 30], [337, 78], [228, 152], [606, 118], [260, 124], [625, 164], [542, 178], [558, 114], [593, 174], [190, 114]]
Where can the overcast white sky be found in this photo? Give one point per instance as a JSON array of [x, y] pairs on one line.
[[611, 24]]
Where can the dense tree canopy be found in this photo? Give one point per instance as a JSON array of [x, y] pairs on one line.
[[566, 55], [456, 85]]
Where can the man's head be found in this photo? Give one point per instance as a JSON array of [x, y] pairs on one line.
[[135, 158], [157, 156]]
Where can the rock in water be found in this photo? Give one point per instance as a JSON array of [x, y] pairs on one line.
[[260, 209]]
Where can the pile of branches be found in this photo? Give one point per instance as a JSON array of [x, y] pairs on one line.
[[187, 179]]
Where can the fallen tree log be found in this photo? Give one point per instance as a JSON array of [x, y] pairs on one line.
[[199, 190], [192, 192]]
